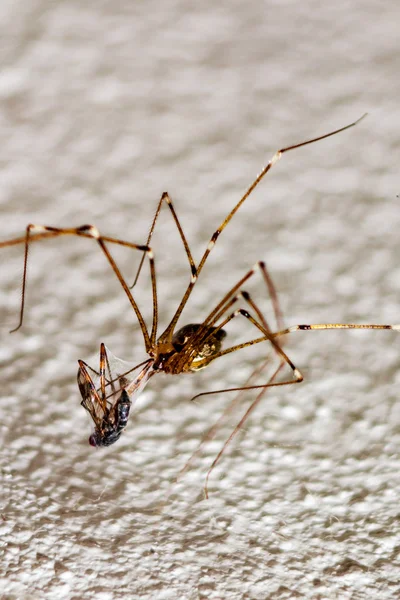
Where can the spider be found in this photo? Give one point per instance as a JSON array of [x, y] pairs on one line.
[[109, 393]]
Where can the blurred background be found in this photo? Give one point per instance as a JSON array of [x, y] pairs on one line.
[[105, 105]]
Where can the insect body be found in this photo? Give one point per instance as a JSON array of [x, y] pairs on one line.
[[113, 422]]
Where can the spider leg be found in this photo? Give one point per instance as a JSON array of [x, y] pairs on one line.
[[276, 157], [263, 327], [324, 326], [206, 328], [166, 198], [271, 383], [40, 232], [267, 336], [215, 428], [233, 403], [242, 421]]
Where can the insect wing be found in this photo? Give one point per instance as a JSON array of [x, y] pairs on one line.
[[91, 400], [135, 388], [118, 375]]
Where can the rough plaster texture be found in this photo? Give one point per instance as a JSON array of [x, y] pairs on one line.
[[104, 105]]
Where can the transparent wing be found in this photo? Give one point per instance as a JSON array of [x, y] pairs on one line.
[[91, 399]]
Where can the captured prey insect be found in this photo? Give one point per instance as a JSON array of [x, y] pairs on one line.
[[109, 393], [109, 408]]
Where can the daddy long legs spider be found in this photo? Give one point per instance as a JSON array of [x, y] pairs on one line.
[[107, 394]]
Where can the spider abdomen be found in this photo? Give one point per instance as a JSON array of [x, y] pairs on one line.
[[197, 344]]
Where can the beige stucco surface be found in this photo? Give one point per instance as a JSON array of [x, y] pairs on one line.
[[103, 106]]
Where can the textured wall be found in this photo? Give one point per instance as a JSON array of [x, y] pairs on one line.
[[103, 107]]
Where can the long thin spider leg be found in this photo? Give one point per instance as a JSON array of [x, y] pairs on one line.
[[197, 341], [210, 434], [165, 198], [325, 326], [93, 231], [207, 327], [266, 336], [205, 332], [228, 300], [212, 329], [199, 338], [246, 296], [23, 291], [221, 308], [314, 327], [231, 406], [273, 295], [271, 384], [39, 232], [242, 421], [168, 332], [214, 429]]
